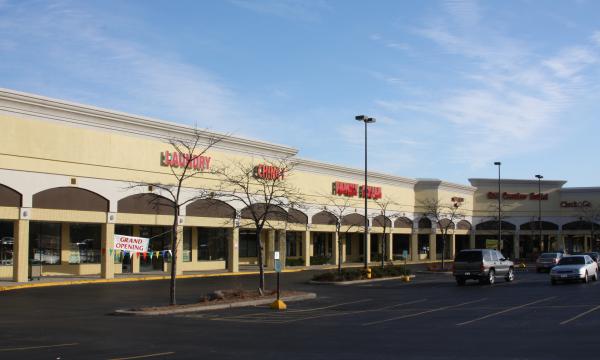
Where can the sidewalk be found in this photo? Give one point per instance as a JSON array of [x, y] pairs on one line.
[[46, 281]]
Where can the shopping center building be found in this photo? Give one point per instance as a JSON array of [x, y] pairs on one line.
[[66, 188]]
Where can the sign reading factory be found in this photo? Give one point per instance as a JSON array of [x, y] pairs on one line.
[[517, 196], [351, 190], [268, 172], [179, 160]]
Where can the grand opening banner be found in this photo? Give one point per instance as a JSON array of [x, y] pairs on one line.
[[131, 243]]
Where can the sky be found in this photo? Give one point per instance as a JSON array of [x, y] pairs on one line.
[[454, 85]]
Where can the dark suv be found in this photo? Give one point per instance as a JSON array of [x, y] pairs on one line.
[[483, 265]]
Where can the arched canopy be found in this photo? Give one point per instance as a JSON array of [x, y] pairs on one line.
[[353, 219], [10, 197], [493, 225], [273, 212], [463, 225], [212, 208], [150, 204], [403, 222], [70, 198], [424, 223], [381, 220], [297, 217], [324, 218], [534, 225], [445, 222], [580, 225]]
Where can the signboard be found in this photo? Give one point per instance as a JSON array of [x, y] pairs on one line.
[[351, 190], [277, 265], [517, 196], [405, 254], [131, 243], [268, 172], [179, 160], [491, 244]]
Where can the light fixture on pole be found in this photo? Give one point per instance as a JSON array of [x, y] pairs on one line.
[[540, 177], [366, 120], [498, 163]]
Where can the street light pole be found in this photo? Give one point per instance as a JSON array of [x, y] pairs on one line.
[[540, 177], [366, 120], [498, 163]]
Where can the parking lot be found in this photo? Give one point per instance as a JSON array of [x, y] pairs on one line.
[[430, 318]]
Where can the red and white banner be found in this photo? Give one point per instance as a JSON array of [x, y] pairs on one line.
[[131, 243]]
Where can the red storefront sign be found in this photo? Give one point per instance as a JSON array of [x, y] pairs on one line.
[[268, 172], [179, 160], [457, 199], [348, 189], [516, 196]]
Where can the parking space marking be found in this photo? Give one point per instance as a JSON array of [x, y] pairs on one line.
[[422, 312], [505, 311], [580, 315], [144, 356], [37, 347]]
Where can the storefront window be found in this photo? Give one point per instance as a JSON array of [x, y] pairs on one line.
[[85, 243], [212, 244], [187, 244], [160, 240], [120, 256], [6, 243], [247, 244], [292, 246], [44, 242]]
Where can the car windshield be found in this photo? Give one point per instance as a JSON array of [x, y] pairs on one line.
[[468, 256], [548, 255], [572, 260]]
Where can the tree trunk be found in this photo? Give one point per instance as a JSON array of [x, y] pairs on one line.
[[173, 299], [340, 252], [261, 270], [443, 249], [383, 250]]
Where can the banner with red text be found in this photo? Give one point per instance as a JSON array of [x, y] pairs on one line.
[[131, 243]]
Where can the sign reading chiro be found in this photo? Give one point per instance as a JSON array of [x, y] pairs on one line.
[[131, 243], [175, 159], [268, 172], [351, 190]]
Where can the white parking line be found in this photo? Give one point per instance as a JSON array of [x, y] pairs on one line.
[[144, 356], [505, 311], [580, 315], [38, 347], [422, 312]]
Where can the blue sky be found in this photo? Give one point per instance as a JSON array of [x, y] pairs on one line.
[[454, 85]]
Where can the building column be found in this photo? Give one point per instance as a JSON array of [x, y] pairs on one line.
[[282, 236], [135, 257], [336, 247], [452, 245], [432, 245], [21, 251], [414, 246], [343, 245], [233, 246], [368, 249], [472, 239], [107, 267], [306, 247], [516, 244], [269, 248], [389, 247]]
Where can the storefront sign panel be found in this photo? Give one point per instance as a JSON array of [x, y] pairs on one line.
[[131, 243], [516, 196], [179, 160], [350, 190]]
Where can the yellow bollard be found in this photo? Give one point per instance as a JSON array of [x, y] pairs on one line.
[[278, 305], [369, 273]]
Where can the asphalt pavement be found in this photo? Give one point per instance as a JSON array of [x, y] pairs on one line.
[[429, 318]]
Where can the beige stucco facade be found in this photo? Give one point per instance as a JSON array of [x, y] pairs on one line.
[[66, 172]]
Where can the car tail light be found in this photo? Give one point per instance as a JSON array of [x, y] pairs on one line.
[[555, 261], [481, 267]]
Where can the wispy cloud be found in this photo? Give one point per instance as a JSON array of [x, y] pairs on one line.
[[290, 9]]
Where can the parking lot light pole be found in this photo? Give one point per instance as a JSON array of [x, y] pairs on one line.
[[540, 177], [498, 163], [366, 120]]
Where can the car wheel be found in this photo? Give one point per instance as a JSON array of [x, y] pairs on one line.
[[491, 277], [586, 278], [460, 281], [510, 276]]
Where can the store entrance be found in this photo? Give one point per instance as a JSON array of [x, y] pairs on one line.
[[160, 240]]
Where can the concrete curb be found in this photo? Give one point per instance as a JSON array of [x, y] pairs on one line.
[[132, 279], [434, 272], [200, 308], [352, 282]]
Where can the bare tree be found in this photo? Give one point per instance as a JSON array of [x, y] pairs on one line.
[[187, 160], [383, 204], [264, 190], [445, 216], [338, 206]]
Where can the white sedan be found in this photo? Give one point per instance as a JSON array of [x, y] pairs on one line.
[[574, 267]]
